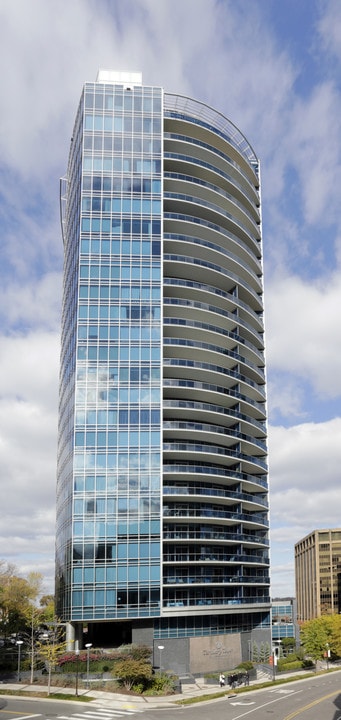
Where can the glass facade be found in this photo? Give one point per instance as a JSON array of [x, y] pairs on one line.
[[162, 492], [284, 621], [110, 540]]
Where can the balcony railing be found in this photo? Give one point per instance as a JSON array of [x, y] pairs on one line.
[[214, 492]]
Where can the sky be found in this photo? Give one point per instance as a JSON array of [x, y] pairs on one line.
[[273, 67]]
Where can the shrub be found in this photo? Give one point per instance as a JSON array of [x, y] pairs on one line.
[[160, 685], [140, 652], [103, 662], [138, 688], [98, 663], [294, 665], [58, 681], [246, 665], [109, 686], [25, 664], [130, 672], [290, 657]]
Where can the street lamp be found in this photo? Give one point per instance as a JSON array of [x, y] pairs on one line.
[[19, 643], [77, 667], [49, 656], [160, 648], [88, 646], [275, 655]]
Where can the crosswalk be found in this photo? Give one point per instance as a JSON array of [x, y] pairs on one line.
[[99, 714]]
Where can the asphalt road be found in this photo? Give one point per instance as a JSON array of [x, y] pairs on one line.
[[15, 708], [317, 698], [312, 699]]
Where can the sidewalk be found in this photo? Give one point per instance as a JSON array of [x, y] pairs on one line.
[[106, 699]]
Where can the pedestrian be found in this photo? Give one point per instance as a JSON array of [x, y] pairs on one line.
[[233, 682], [221, 680]]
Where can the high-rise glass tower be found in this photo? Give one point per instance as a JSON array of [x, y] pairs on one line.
[[162, 493]]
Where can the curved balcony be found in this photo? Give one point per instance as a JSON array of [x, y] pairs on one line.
[[230, 226], [187, 109], [196, 431], [190, 600], [202, 294], [224, 578], [184, 134], [192, 268], [249, 211], [182, 535], [180, 492], [215, 506], [206, 349], [212, 452], [207, 559], [180, 163], [195, 390], [184, 326], [186, 368], [226, 416], [214, 513]]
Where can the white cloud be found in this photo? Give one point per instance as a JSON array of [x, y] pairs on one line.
[[282, 582], [28, 424], [329, 28], [52, 51], [29, 373], [304, 460], [285, 396], [315, 143], [49, 52], [305, 490], [303, 330], [27, 306]]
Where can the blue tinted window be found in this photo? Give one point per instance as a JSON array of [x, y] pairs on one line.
[[133, 573], [122, 574], [100, 575], [77, 575], [144, 573], [88, 598], [77, 597], [88, 574], [155, 573]]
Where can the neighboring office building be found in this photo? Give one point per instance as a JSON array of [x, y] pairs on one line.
[[162, 494], [318, 574]]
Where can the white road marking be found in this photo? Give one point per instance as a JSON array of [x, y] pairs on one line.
[[283, 691], [24, 717], [101, 714], [271, 702]]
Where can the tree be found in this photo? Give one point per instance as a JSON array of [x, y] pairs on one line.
[[33, 617], [47, 612], [288, 644], [20, 615], [321, 633], [132, 671], [50, 648], [16, 597]]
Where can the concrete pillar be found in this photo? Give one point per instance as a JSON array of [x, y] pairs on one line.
[[70, 637]]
